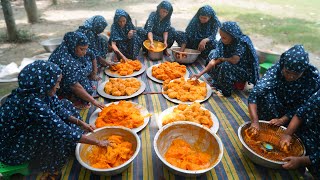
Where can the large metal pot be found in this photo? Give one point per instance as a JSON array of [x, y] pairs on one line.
[[154, 56], [51, 44], [196, 135], [188, 56], [157, 52], [267, 56], [83, 149], [258, 159]]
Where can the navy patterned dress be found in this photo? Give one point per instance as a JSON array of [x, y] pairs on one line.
[[74, 69], [93, 28], [158, 27], [128, 47], [34, 126], [276, 97], [225, 74], [309, 131], [196, 31]]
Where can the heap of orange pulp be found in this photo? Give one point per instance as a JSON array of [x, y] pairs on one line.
[[182, 155], [168, 71], [185, 90], [193, 113], [114, 155], [125, 68], [124, 114]]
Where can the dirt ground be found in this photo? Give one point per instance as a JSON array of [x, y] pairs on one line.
[[68, 15], [55, 21]]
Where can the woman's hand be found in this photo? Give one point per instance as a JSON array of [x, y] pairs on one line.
[[165, 44], [202, 45], [93, 76], [285, 141], [255, 126], [278, 121], [104, 143], [195, 76], [130, 34], [98, 104], [87, 127], [292, 162]]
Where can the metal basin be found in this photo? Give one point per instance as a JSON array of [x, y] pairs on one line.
[[157, 52], [83, 149], [51, 44], [273, 133], [186, 57], [194, 134]]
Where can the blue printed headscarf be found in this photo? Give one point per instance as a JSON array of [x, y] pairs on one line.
[[70, 41], [234, 30], [96, 24], [38, 77], [295, 59], [197, 30], [118, 33], [167, 6]]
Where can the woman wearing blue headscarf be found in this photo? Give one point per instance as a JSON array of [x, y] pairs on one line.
[[36, 127], [158, 25], [285, 87], [201, 32], [126, 40], [306, 123], [98, 43], [234, 60], [78, 65]]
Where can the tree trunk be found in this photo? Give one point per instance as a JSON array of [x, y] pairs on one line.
[[10, 22], [54, 2], [32, 11]]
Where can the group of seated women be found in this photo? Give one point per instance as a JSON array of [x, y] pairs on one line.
[[36, 125]]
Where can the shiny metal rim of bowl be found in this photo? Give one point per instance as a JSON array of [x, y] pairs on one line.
[[52, 41], [115, 168], [176, 50], [251, 151], [183, 171]]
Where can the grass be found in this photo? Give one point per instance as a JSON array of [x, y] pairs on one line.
[[6, 88], [281, 30], [23, 36]]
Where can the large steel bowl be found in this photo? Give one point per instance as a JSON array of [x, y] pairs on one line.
[[273, 131], [83, 149], [51, 44], [3, 99], [156, 53], [193, 134], [188, 56]]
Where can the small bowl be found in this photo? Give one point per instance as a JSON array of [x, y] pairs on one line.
[[188, 56], [157, 53], [126, 133], [51, 44], [193, 133], [266, 56], [271, 131]]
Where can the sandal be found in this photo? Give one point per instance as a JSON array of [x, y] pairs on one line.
[[81, 105]]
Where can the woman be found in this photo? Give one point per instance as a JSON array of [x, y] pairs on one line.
[[306, 123], [234, 60], [284, 88], [78, 65], [201, 32], [36, 126], [93, 28], [126, 41], [158, 26]]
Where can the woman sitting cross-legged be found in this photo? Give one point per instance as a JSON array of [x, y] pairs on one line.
[[126, 40], [233, 60], [285, 87], [79, 68], [38, 128]]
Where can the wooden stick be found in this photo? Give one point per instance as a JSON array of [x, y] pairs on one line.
[[145, 93]]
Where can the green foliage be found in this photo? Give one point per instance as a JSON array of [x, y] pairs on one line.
[[23, 36]]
